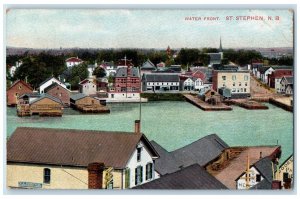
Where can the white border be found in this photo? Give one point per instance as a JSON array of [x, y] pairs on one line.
[[132, 4]]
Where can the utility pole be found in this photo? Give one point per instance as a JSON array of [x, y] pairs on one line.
[[126, 76]]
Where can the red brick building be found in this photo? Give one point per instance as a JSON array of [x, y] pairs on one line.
[[59, 92], [17, 89]]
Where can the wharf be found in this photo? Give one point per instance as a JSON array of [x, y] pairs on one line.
[[205, 106], [285, 103], [248, 104], [125, 100], [95, 108]]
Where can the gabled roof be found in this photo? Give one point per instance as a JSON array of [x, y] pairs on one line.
[[264, 69], [161, 77], [73, 147], [45, 95], [201, 152], [86, 81], [122, 72], [148, 65], [191, 177], [54, 85], [289, 79], [49, 78], [291, 156], [22, 82], [215, 56], [73, 59], [33, 95]]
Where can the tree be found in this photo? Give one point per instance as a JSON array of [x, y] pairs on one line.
[[99, 72], [78, 73]]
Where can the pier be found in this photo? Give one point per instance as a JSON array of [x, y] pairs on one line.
[[248, 104], [205, 106]]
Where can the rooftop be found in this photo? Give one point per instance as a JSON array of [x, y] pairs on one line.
[[238, 165], [73, 147], [191, 177]]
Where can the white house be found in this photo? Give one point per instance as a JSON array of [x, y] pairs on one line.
[[188, 84], [263, 73], [73, 61], [286, 85], [111, 160], [49, 82], [109, 68], [198, 83], [87, 87]]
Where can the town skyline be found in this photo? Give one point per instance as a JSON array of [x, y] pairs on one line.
[[83, 28]]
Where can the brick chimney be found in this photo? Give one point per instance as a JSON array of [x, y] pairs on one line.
[[137, 126], [95, 175], [276, 184]]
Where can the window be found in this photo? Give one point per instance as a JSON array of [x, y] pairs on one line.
[[245, 90], [20, 87], [47, 175], [149, 171], [138, 175], [233, 90], [139, 150], [285, 176], [127, 178], [233, 77], [246, 84], [57, 88], [258, 177], [224, 77], [233, 84], [246, 77], [240, 84]]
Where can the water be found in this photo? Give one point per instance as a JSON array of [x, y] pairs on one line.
[[176, 124]]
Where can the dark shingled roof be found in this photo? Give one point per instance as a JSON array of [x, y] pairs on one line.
[[122, 72], [290, 80], [264, 166], [161, 77], [192, 177], [263, 69], [148, 65], [201, 152], [73, 147], [45, 95]]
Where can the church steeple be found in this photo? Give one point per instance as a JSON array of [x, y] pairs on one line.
[[220, 48]]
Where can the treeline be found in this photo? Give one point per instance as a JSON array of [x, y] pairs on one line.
[[37, 67]]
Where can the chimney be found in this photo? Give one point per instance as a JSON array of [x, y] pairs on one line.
[[95, 175], [137, 126], [260, 155], [276, 184]]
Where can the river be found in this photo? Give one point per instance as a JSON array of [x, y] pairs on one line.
[[176, 124]]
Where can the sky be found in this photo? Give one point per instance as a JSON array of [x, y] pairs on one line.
[[138, 28]]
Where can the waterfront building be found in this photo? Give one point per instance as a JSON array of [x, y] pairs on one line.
[[285, 173], [160, 82], [17, 89], [87, 103], [28, 98], [190, 177], [73, 61], [264, 72], [257, 176], [237, 81], [286, 85], [49, 81], [88, 87], [44, 105], [275, 77], [79, 159], [127, 83], [186, 83], [59, 92]]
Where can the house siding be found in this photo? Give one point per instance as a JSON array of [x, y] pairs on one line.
[[17, 90], [60, 93]]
